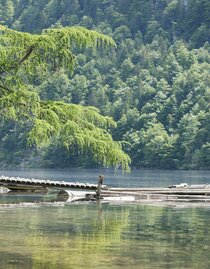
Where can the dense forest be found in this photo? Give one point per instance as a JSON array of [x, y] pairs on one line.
[[155, 84]]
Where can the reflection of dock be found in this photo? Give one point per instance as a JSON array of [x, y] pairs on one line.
[[75, 191]]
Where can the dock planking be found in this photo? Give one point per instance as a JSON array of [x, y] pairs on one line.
[[17, 183], [75, 191]]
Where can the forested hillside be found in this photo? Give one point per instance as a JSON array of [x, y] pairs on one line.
[[155, 84]]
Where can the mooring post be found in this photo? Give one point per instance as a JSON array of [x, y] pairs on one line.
[[100, 183]]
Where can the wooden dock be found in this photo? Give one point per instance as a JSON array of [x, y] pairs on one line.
[[76, 191], [21, 184], [178, 193]]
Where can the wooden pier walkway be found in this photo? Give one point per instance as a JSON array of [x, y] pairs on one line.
[[17, 183], [76, 191], [176, 193]]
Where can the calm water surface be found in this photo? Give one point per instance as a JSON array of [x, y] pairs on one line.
[[59, 235]]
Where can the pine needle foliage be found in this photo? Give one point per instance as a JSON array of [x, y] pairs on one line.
[[25, 57]]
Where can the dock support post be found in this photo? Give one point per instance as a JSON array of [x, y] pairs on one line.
[[100, 183]]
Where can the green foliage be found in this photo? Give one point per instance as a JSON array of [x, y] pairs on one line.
[[155, 84], [80, 128]]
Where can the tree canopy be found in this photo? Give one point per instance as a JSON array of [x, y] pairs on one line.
[[26, 58], [155, 85]]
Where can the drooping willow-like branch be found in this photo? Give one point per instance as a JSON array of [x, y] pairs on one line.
[[79, 128], [27, 55], [4, 88]]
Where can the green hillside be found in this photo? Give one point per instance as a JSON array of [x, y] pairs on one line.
[[155, 84]]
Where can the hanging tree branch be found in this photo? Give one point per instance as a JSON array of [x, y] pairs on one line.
[[4, 88], [27, 55], [79, 128]]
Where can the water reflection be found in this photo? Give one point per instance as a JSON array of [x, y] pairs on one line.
[[38, 232], [136, 178], [104, 236]]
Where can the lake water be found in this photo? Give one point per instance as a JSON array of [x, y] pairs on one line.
[[59, 235]]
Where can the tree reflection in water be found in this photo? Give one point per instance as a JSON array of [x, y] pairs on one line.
[[104, 236]]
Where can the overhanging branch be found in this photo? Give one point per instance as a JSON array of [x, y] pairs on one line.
[[19, 61], [27, 55], [5, 88]]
